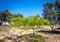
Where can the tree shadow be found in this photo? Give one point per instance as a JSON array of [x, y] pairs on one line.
[[57, 28], [55, 31]]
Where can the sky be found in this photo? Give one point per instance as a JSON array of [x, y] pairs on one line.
[[25, 7]]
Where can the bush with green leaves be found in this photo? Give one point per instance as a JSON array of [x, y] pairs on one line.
[[29, 21]]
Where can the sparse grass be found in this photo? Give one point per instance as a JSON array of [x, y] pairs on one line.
[[31, 38], [2, 40]]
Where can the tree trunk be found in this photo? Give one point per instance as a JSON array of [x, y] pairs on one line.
[[33, 31], [52, 27]]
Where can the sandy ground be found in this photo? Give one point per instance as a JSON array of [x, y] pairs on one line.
[[19, 32]]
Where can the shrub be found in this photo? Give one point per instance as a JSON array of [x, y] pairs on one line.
[[29, 21]]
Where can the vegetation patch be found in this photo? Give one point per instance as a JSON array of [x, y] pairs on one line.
[[32, 38], [2, 40]]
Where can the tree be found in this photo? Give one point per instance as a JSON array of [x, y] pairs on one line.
[[57, 7], [18, 15], [49, 12], [0, 15], [6, 15], [58, 3], [29, 21], [34, 20]]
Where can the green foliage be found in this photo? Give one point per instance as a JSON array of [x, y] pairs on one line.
[[17, 21], [17, 15], [5, 15], [45, 21], [49, 11], [29, 21], [58, 3]]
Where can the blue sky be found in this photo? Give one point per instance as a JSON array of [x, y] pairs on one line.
[[25, 7]]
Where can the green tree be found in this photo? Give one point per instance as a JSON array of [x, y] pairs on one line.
[[0, 15], [34, 20], [49, 12], [18, 15], [57, 7], [58, 3], [6, 15], [30, 21], [17, 21]]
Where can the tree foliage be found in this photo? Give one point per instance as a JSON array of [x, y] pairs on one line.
[[30, 21], [49, 12], [57, 7], [6, 15], [58, 3], [18, 15]]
